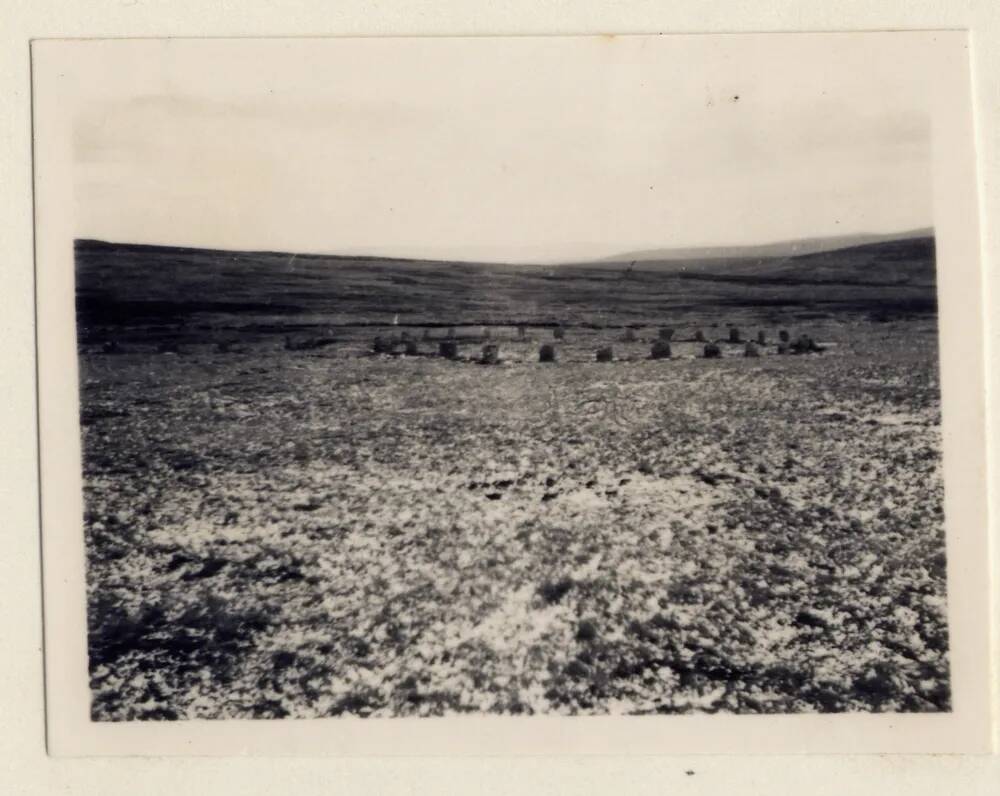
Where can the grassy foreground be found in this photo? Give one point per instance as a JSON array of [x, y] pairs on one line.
[[317, 533]]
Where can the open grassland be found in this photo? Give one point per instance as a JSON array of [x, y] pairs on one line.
[[315, 533]]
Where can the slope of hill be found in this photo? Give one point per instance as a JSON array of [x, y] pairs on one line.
[[787, 248], [898, 262], [128, 285]]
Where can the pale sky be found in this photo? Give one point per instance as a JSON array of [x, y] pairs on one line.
[[502, 149]]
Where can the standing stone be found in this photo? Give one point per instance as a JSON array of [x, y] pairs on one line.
[[734, 334], [751, 349], [712, 351], [547, 353], [559, 333], [666, 334], [804, 345], [783, 335], [660, 350], [448, 349], [382, 346], [761, 338], [491, 354], [699, 336], [605, 354], [411, 349]]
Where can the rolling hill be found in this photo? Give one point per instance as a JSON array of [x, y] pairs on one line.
[[787, 248], [130, 284]]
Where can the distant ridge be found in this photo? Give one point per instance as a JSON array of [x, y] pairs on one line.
[[699, 254], [788, 248], [134, 285], [109, 247]]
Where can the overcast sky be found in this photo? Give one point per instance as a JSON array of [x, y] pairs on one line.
[[516, 149]]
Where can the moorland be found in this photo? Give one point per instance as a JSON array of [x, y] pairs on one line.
[[282, 522]]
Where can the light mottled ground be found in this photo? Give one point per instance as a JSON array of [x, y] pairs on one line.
[[275, 533]]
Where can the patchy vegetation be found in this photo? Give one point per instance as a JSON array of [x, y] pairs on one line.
[[354, 525], [325, 533]]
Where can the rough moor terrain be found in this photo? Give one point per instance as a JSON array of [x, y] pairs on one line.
[[281, 522]]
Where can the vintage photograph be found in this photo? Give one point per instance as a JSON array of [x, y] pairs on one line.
[[512, 377]]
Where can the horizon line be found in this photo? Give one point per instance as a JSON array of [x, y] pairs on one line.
[[621, 257]]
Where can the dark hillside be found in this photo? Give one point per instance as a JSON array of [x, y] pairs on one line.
[[127, 285]]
